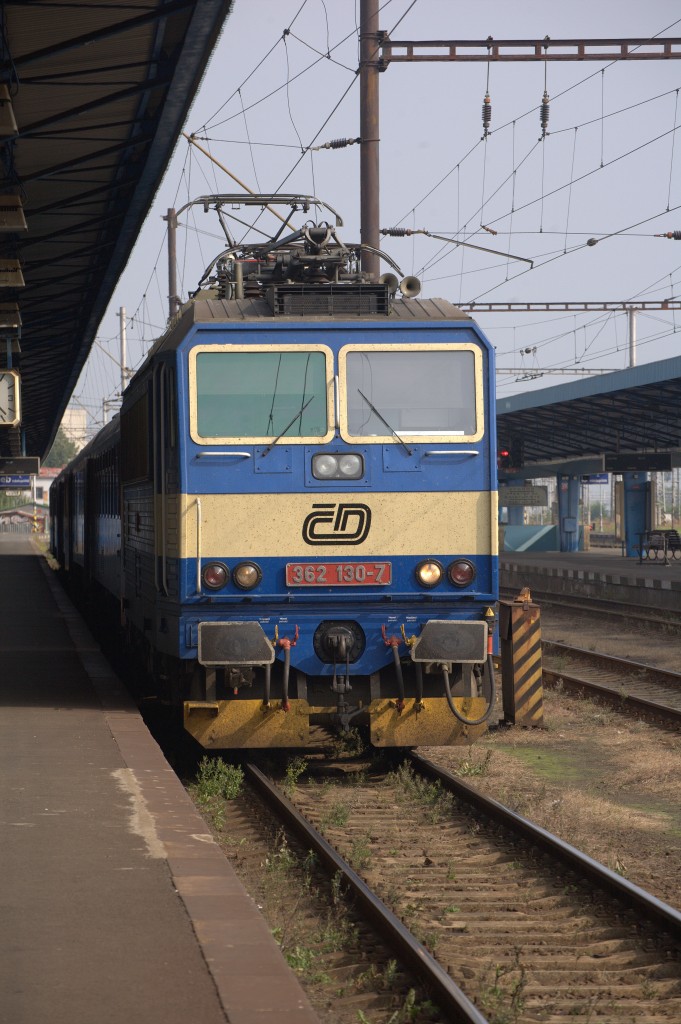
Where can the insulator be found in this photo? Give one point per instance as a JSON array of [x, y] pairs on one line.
[[676, 235], [337, 144], [544, 114], [396, 232], [486, 115]]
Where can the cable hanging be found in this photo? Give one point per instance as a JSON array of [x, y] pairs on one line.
[[486, 122], [671, 161], [602, 115], [544, 122]]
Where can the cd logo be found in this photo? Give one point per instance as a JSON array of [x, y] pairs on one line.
[[337, 524]]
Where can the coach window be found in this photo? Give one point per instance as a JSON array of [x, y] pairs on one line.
[[136, 440], [417, 392], [260, 393]]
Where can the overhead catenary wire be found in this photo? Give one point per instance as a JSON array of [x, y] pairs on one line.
[[244, 107], [512, 124], [583, 177], [299, 34]]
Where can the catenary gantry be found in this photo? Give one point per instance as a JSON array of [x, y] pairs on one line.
[[92, 99]]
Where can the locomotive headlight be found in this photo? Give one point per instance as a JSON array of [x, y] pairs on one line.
[[214, 575], [330, 466], [246, 575], [461, 572], [351, 466], [429, 573], [324, 467]]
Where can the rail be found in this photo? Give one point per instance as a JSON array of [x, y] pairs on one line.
[[636, 686], [415, 955], [660, 913]]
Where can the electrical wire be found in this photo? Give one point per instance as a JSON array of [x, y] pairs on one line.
[[327, 56]]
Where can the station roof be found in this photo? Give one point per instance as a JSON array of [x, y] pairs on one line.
[[95, 95], [632, 417]]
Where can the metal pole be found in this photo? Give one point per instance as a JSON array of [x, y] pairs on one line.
[[173, 300], [632, 336], [121, 314], [369, 132]]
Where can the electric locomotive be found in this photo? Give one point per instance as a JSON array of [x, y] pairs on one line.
[[296, 510]]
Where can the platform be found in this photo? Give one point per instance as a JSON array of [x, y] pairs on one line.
[[116, 904], [601, 572]]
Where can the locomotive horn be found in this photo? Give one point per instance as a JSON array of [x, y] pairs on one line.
[[410, 287], [392, 282]]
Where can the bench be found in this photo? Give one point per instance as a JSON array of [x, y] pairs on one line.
[[661, 544]]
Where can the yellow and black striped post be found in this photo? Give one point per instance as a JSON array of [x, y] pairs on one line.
[[520, 635]]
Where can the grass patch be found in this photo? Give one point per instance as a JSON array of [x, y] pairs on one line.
[[349, 743], [281, 860], [216, 778], [294, 770], [411, 1010], [472, 767], [501, 994], [435, 802], [337, 815], [303, 961], [216, 782], [360, 853]]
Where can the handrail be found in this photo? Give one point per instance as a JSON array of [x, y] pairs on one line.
[[198, 545], [227, 455], [453, 451], [164, 511], [154, 450]]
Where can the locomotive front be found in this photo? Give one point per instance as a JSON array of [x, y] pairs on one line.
[[336, 510]]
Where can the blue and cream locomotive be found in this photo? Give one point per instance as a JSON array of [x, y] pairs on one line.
[[296, 510]]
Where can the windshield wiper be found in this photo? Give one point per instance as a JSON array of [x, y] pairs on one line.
[[384, 420], [286, 428]]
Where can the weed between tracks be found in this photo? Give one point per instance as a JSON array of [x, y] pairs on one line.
[[349, 977], [435, 803], [501, 995]]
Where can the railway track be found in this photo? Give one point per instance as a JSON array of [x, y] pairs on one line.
[[624, 683], [472, 895], [641, 618]]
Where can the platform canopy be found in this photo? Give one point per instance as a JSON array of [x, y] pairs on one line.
[[92, 100], [627, 420]]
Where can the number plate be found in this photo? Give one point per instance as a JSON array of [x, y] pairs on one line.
[[338, 574]]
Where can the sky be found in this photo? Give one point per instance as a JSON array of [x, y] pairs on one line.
[[282, 80]]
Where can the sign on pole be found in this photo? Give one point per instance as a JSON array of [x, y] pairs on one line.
[[22, 481], [526, 494]]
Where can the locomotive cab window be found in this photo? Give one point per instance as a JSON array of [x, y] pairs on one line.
[[419, 393], [258, 393]]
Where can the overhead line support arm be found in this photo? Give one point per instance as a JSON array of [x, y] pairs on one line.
[[395, 51]]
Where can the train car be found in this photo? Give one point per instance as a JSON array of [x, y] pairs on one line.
[[296, 510]]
